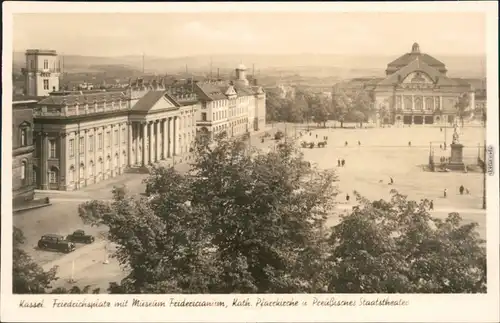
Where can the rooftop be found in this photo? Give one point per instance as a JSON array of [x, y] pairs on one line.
[[41, 52]]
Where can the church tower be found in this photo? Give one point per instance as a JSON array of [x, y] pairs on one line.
[[42, 71], [241, 77]]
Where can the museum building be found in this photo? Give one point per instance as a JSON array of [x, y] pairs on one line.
[[82, 138]]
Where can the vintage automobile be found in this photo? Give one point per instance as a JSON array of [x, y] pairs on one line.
[[79, 236], [55, 242]]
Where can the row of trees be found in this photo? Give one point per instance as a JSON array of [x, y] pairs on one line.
[[307, 106], [244, 221]]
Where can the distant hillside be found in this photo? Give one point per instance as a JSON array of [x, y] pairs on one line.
[[305, 64]]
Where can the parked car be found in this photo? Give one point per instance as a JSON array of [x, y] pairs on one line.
[[79, 236], [55, 242]]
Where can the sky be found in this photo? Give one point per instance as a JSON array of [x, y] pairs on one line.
[[190, 34]]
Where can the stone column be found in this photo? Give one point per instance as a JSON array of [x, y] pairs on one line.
[[44, 155], [94, 171], [165, 138], [77, 160], [111, 149], [170, 137], [129, 144], [119, 148], [412, 119], [86, 155], [145, 155], [176, 134], [151, 147], [62, 161], [412, 103], [158, 141], [137, 130]]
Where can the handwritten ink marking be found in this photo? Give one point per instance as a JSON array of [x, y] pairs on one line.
[[262, 302], [81, 303], [383, 302], [333, 302], [185, 303], [121, 303], [490, 155], [241, 302], [141, 303], [25, 304]]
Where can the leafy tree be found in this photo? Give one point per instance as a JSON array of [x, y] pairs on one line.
[[396, 246], [320, 109], [342, 104], [462, 106], [27, 276], [362, 102], [357, 116], [240, 222]]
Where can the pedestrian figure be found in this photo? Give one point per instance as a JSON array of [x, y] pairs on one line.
[[343, 162], [441, 129], [326, 137], [461, 189], [409, 143], [347, 197], [338, 162], [359, 143], [345, 144], [316, 135], [431, 205], [392, 181], [262, 140], [440, 146], [310, 133], [444, 193]]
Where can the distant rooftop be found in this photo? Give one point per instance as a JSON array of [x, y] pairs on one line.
[[41, 52]]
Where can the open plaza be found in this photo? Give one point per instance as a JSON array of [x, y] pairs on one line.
[[381, 154]]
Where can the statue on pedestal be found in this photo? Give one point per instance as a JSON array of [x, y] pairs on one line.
[[455, 134]]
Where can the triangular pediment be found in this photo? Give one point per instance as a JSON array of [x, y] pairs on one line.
[[154, 101], [24, 124], [162, 104]]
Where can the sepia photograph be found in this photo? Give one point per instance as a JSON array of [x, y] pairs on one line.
[[214, 158]]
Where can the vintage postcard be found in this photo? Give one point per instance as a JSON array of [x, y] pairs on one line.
[[250, 162]]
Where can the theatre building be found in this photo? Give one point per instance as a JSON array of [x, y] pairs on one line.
[[416, 90], [82, 139], [22, 151]]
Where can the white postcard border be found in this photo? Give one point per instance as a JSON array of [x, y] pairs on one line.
[[425, 308]]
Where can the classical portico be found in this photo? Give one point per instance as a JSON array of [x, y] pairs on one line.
[[153, 138]]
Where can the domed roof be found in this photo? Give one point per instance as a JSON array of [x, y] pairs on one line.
[[409, 57], [241, 67], [415, 48]]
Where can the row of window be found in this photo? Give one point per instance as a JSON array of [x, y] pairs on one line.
[[100, 142], [45, 64]]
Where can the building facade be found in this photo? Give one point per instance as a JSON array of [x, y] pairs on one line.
[[42, 72], [22, 151], [82, 138], [416, 90], [235, 107]]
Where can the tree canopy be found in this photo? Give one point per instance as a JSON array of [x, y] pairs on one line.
[[243, 221]]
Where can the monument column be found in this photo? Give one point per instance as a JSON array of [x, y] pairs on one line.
[[144, 144]]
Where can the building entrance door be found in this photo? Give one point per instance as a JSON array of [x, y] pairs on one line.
[[406, 119]]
